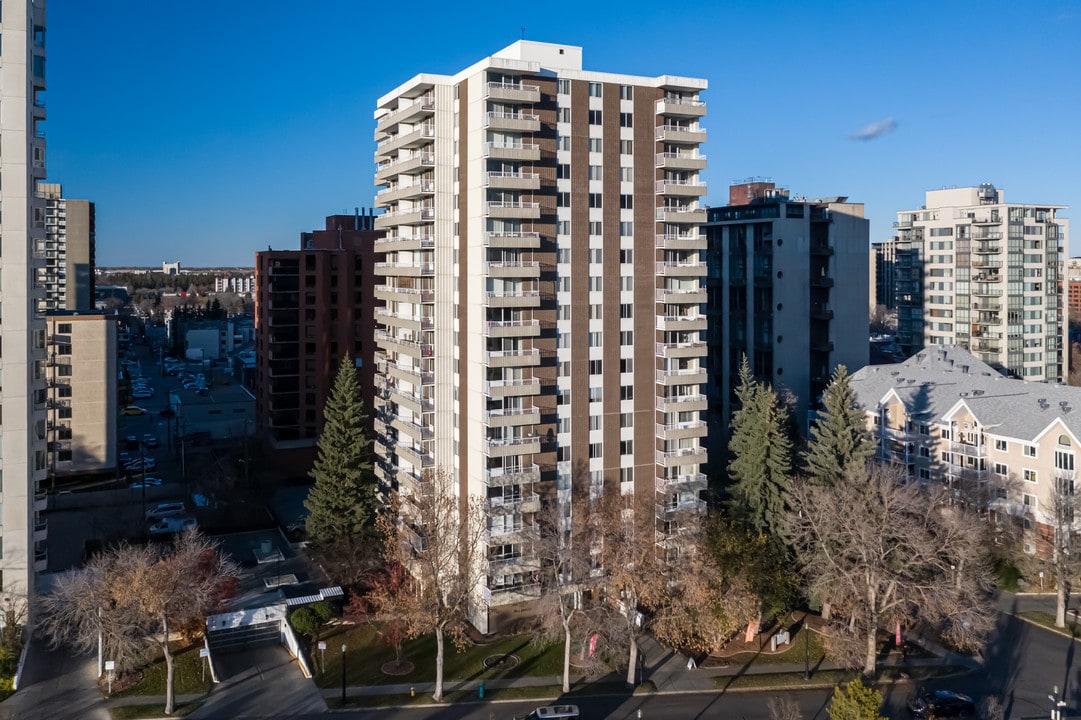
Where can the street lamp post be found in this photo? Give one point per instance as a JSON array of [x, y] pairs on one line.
[[806, 650], [343, 673]]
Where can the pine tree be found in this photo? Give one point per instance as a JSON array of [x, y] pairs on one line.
[[839, 438], [343, 502], [761, 454]]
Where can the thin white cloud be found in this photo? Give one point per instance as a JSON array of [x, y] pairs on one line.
[[875, 130]]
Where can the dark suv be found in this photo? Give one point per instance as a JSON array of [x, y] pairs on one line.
[[941, 704]]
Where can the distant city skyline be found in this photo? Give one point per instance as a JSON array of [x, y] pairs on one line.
[[205, 137]]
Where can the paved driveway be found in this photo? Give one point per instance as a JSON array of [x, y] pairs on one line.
[[56, 685], [261, 682]]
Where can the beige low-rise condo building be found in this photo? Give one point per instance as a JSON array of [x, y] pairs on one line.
[[1004, 443]]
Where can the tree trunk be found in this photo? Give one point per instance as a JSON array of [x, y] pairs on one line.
[[872, 632], [632, 660], [1060, 601], [566, 658], [438, 694], [825, 611], [170, 700]]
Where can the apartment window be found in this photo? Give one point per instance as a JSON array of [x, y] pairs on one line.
[[595, 422], [63, 328], [595, 200], [626, 420], [595, 145], [1064, 461], [595, 255], [1001, 469], [1001, 445], [1029, 475], [596, 172], [626, 282], [626, 174], [563, 171], [563, 142], [626, 392], [626, 120], [595, 89], [925, 451], [594, 117], [563, 227], [596, 227], [626, 365], [626, 311], [1030, 451], [596, 312], [595, 339], [563, 87], [626, 447], [596, 367], [64, 413], [925, 429], [923, 473], [564, 114], [626, 256], [945, 457], [626, 337], [596, 283], [563, 255], [596, 450], [626, 202], [626, 92], [563, 199], [63, 370], [1029, 501]]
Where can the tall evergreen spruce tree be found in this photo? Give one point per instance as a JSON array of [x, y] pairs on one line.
[[761, 455], [839, 438], [343, 502]]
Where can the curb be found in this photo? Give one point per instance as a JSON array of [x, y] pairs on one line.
[[1057, 631]]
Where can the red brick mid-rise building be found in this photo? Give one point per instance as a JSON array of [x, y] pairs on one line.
[[312, 306]]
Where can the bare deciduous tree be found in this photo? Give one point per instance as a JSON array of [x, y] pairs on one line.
[[567, 573], [439, 537], [888, 550], [783, 707], [1058, 551]]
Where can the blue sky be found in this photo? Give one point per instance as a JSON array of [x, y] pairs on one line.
[[206, 131]]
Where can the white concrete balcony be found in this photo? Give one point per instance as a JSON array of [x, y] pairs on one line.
[[513, 180], [502, 477], [405, 269], [503, 447], [690, 241], [402, 294], [520, 240], [513, 121], [41, 501], [513, 268], [412, 348], [680, 134], [525, 503], [514, 299], [680, 215], [514, 209], [406, 112], [681, 349], [41, 560], [682, 403], [411, 216], [677, 431], [512, 388], [414, 402], [681, 268], [410, 165], [681, 107], [417, 137], [415, 456], [513, 92], [692, 376], [680, 188], [409, 374], [668, 296], [521, 151], [41, 529], [681, 323], [968, 449], [513, 328], [681, 160], [683, 456], [390, 243], [511, 564], [686, 483], [413, 322], [684, 506], [509, 417], [410, 191], [513, 358], [414, 430]]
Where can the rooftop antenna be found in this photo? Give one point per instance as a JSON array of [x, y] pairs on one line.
[[523, 32]]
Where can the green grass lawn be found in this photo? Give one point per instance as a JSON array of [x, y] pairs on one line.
[[544, 692], [187, 677], [1047, 620], [366, 654]]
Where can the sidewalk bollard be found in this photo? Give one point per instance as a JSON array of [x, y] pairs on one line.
[[412, 692], [480, 691]]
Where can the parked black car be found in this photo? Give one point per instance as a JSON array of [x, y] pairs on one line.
[[941, 704]]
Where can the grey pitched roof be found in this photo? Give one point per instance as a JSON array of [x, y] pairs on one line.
[[934, 380]]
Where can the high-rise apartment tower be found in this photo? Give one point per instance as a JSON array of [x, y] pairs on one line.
[[542, 334], [983, 274], [68, 274], [22, 392]]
